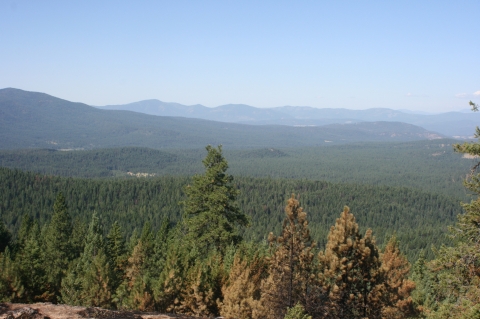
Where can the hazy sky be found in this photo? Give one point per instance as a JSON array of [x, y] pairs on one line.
[[418, 55]]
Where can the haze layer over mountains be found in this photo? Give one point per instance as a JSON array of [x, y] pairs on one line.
[[451, 124], [38, 120]]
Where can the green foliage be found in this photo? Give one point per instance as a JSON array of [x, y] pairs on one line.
[[211, 215], [412, 164], [89, 280], [94, 242], [450, 283], [24, 231], [136, 290], [97, 279], [57, 246], [68, 262], [297, 312], [157, 270], [5, 237], [71, 292], [30, 264], [172, 280], [11, 286], [418, 218], [116, 254], [77, 240], [89, 163], [160, 248]]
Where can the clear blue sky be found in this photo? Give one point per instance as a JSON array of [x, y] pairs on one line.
[[418, 55]]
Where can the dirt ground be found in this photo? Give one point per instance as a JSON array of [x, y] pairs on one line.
[[51, 311]]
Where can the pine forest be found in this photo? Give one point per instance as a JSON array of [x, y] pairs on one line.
[[205, 242]]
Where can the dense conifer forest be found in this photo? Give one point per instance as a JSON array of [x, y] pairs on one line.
[[418, 218], [241, 247], [413, 164]]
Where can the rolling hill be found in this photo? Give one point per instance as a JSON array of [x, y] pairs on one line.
[[452, 124], [38, 120]]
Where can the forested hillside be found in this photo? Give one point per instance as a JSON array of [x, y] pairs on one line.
[[413, 164], [38, 120], [418, 218]]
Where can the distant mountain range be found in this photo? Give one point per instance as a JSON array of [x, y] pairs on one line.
[[452, 124], [38, 120]]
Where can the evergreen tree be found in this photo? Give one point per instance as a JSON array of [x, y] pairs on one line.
[[88, 283], [397, 287], [5, 237], [351, 272], [455, 272], [57, 248], [96, 276], [419, 218], [94, 242], [11, 288], [162, 239], [132, 241], [77, 240], [116, 253], [297, 312], [30, 264], [211, 215], [241, 291], [97, 283], [24, 231], [202, 287], [291, 269], [136, 290], [72, 286], [422, 295], [172, 280]]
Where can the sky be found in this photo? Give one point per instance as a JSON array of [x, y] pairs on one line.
[[416, 55]]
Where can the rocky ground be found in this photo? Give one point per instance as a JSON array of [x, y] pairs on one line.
[[51, 311]]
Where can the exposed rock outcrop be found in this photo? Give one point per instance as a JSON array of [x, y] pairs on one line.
[[51, 311], [20, 313]]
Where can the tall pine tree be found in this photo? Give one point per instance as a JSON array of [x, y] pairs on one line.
[[57, 247], [397, 287], [11, 288], [30, 263], [116, 254], [291, 270], [89, 281], [351, 272], [5, 237], [136, 290], [211, 215]]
